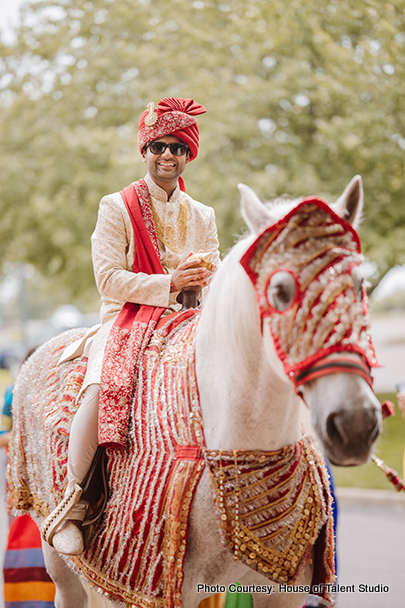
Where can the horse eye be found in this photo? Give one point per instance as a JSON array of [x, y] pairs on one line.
[[358, 281], [281, 290]]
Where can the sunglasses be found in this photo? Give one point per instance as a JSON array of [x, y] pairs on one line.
[[159, 147]]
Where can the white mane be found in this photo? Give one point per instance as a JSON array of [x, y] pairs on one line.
[[280, 206], [231, 303]]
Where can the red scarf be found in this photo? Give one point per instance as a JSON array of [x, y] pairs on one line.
[[133, 327]]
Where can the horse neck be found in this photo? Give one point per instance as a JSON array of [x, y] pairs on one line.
[[246, 403]]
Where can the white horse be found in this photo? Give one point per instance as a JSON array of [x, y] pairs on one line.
[[248, 401]]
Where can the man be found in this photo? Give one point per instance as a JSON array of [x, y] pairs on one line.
[[140, 248]]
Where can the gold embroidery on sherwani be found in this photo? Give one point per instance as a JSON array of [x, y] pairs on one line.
[[173, 237], [113, 251]]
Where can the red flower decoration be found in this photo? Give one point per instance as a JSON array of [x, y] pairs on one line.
[[387, 409], [188, 106]]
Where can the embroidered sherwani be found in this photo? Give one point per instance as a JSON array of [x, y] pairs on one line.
[[113, 250]]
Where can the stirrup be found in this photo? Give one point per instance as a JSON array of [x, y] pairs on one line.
[[59, 514]]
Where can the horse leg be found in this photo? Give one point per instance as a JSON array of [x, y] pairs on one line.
[[278, 598], [69, 590]]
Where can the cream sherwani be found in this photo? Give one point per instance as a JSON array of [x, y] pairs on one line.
[[113, 250]]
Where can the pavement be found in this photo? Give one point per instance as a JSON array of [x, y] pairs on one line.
[[371, 548], [388, 334]]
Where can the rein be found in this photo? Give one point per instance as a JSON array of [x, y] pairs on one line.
[[334, 364]]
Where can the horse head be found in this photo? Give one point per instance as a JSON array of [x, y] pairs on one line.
[[305, 269]]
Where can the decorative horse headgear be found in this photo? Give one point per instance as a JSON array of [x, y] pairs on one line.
[[326, 316]]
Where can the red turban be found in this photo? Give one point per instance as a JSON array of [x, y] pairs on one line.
[[171, 117]]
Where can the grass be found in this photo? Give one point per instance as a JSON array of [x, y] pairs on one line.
[[389, 447]]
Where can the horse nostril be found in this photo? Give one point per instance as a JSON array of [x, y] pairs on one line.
[[346, 430], [375, 432], [334, 429]]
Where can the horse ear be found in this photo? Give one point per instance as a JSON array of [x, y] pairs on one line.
[[253, 211], [350, 204]]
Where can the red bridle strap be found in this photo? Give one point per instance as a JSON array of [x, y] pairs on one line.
[[335, 364]]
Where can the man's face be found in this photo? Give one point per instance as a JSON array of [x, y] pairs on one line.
[[166, 166]]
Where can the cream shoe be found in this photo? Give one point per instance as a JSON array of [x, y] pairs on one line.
[[54, 520], [68, 539]]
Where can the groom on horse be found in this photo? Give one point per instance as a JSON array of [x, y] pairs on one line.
[[141, 250]]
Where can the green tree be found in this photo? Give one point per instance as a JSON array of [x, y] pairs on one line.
[[301, 95]]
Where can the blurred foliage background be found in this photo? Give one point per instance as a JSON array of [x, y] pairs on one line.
[[301, 95]]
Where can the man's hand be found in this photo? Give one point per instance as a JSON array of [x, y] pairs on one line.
[[187, 275]]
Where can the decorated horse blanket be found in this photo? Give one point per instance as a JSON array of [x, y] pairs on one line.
[[273, 507], [137, 554]]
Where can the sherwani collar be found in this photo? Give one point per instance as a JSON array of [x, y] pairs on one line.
[[159, 194]]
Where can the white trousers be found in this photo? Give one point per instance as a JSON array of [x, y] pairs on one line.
[[83, 443]]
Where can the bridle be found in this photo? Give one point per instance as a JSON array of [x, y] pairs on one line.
[[336, 363]]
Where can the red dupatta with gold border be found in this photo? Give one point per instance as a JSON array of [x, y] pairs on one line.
[[133, 327]]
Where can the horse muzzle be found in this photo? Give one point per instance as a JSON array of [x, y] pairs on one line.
[[345, 413], [349, 436]]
